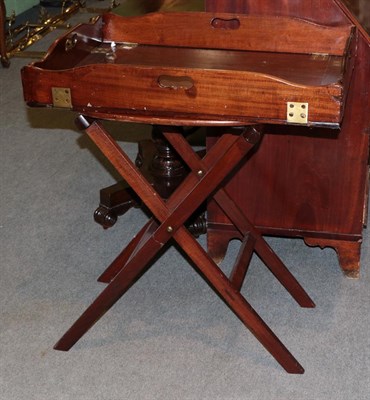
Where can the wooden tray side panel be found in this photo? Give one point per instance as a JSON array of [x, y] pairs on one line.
[[239, 94], [321, 11], [228, 31]]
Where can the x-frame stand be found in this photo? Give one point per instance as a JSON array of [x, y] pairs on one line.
[[204, 181]]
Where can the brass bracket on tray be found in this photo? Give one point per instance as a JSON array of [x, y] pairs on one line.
[[297, 113], [61, 97]]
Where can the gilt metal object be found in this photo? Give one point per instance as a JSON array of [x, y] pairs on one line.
[[61, 97], [297, 113]]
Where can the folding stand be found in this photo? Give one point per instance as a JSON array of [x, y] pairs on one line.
[[205, 181]]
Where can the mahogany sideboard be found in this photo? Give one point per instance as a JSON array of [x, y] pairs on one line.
[[294, 186]]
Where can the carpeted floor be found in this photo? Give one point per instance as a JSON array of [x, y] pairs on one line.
[[169, 337]]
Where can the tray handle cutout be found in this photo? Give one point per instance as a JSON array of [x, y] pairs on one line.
[[223, 23], [175, 82]]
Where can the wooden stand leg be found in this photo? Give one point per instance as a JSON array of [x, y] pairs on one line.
[[127, 276], [210, 172], [242, 262], [117, 199], [110, 273], [241, 222], [218, 242], [349, 254], [268, 256], [222, 286]]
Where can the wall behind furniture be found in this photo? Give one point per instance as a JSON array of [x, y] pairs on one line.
[[19, 6]]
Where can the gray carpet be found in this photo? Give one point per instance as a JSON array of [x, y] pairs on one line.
[[169, 337]]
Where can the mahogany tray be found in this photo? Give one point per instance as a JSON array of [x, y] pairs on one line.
[[209, 69]]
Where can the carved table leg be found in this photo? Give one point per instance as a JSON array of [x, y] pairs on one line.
[[348, 253], [115, 200]]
